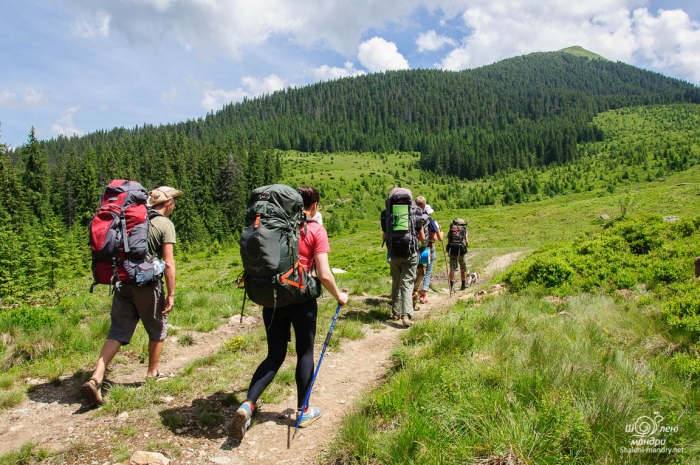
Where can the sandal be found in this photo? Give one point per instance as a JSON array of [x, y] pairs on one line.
[[92, 392], [157, 376]]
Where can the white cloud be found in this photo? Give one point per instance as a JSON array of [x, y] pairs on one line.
[[670, 41], [226, 26], [376, 54], [497, 29], [65, 126], [265, 85], [431, 41], [31, 97], [328, 73], [89, 26], [215, 99]]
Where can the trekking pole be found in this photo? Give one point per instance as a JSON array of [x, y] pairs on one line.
[[308, 392], [447, 269]]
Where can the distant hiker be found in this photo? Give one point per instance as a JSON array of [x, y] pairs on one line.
[[401, 230], [457, 246], [147, 302], [313, 251], [432, 232]]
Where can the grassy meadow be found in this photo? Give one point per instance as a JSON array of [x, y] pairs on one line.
[[551, 373]]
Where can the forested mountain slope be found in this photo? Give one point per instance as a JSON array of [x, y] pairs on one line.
[[521, 113]]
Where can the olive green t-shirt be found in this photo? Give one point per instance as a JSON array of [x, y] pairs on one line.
[[161, 231]]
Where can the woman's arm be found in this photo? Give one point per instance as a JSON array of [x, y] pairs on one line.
[[326, 276]]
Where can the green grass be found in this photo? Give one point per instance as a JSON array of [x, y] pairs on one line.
[[28, 453], [515, 373], [186, 340], [580, 51], [13, 398]]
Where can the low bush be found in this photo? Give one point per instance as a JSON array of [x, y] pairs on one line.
[[636, 251]]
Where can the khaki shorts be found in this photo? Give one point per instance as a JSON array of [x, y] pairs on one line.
[[459, 262], [132, 303]]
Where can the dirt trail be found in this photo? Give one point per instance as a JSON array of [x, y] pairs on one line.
[[54, 416]]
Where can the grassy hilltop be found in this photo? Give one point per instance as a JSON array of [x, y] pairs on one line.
[[600, 327]]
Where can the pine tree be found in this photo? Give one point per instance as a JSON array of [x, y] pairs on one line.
[[36, 179]]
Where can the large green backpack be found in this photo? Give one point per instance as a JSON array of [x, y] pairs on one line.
[[272, 272], [398, 223]]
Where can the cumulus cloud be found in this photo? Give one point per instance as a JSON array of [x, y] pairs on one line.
[[670, 41], [431, 41], [215, 99], [228, 25], [87, 26], [65, 126], [264, 85], [376, 54], [328, 73], [495, 29], [31, 97]]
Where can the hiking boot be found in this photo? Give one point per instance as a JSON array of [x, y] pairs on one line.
[[464, 286], [406, 320], [241, 421], [310, 415]]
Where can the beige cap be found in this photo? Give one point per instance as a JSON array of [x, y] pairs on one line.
[[162, 194]]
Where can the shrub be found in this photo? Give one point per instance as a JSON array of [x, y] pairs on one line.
[[641, 233], [683, 310], [550, 272]]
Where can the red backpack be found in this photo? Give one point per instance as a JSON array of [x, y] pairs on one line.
[[119, 237]]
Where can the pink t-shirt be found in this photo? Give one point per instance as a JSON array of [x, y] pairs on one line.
[[313, 243]]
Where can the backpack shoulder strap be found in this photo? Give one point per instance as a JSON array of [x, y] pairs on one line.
[[154, 213]]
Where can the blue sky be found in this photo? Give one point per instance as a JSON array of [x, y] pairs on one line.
[[78, 66]]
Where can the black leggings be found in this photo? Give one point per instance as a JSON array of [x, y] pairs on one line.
[[303, 318]]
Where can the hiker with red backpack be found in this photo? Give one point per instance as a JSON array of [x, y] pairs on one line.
[[132, 250], [401, 231], [270, 236]]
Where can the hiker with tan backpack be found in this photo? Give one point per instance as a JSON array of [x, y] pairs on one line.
[[457, 247]]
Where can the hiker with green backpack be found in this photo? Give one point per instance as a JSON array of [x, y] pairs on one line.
[[401, 231], [280, 226]]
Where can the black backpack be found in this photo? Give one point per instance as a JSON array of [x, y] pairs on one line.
[[457, 238], [398, 223], [272, 273]]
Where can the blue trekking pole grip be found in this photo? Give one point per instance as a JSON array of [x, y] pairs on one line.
[[318, 366]]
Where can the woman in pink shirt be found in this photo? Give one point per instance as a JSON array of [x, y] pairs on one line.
[[313, 250]]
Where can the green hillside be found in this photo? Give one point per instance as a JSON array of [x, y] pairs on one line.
[[582, 52]]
